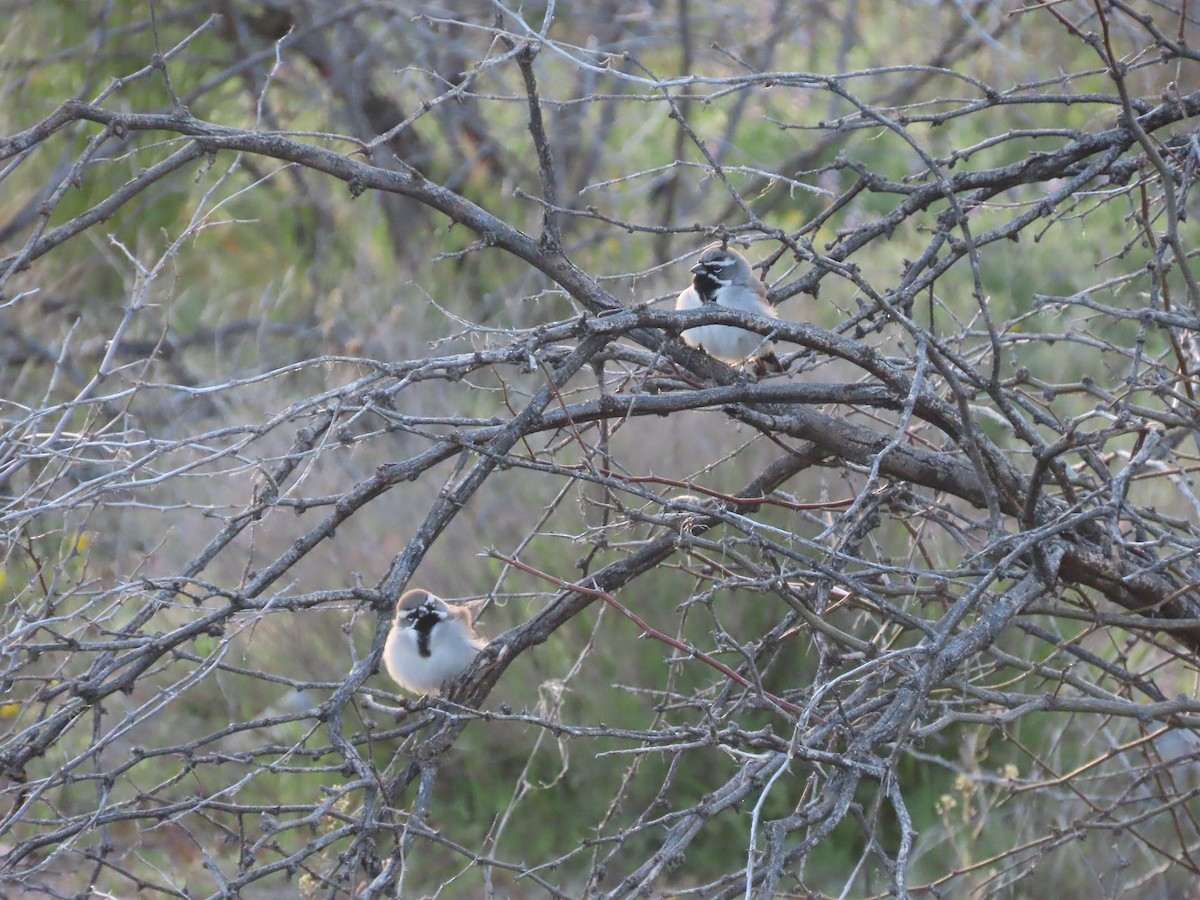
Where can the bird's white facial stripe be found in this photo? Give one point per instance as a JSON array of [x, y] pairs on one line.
[[718, 269], [413, 616]]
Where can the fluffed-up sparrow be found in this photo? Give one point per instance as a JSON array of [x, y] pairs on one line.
[[430, 642], [723, 276]]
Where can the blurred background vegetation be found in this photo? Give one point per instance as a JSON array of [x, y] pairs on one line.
[[232, 303]]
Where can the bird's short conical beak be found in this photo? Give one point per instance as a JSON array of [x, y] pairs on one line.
[[697, 268]]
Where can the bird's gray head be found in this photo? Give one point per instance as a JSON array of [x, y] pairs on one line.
[[418, 606], [718, 267]]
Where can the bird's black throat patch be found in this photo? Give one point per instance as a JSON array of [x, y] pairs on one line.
[[422, 620], [706, 285]]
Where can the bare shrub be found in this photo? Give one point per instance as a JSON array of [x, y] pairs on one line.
[[304, 307]]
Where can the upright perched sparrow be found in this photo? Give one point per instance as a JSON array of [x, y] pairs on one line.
[[724, 277], [430, 641]]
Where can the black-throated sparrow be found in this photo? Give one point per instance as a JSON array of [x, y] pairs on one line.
[[430, 641], [723, 276]]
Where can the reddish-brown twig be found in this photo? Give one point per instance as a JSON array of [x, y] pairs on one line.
[[653, 632]]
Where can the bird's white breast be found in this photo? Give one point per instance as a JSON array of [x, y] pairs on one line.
[[724, 341], [452, 649]]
